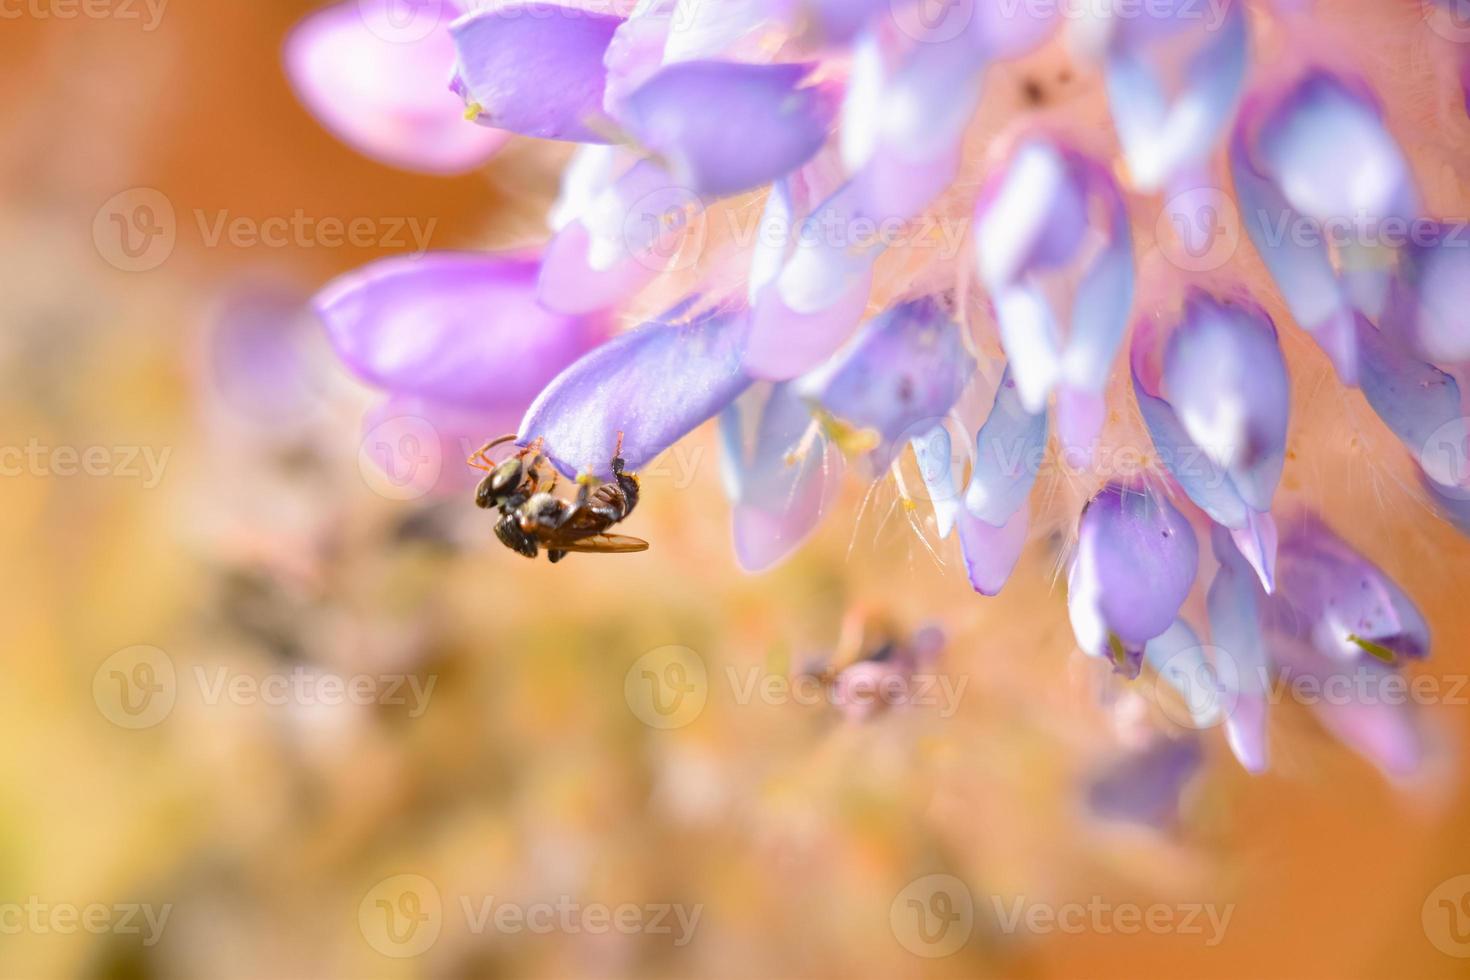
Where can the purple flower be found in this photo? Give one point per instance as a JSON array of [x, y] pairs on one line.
[[379, 84], [770, 121], [1034, 241], [535, 69], [1135, 564], [1217, 413], [1336, 620]]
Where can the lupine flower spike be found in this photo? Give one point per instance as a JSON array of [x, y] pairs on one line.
[[763, 188]]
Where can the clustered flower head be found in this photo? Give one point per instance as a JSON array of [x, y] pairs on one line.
[[850, 134]]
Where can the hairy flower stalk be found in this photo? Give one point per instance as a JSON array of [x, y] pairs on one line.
[[1093, 154]]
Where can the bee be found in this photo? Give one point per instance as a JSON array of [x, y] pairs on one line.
[[532, 518]]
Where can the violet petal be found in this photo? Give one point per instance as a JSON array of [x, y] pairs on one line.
[[535, 69], [1235, 632], [991, 552], [781, 479], [725, 127], [460, 328], [1008, 456], [385, 96], [654, 384], [906, 366], [1136, 562]]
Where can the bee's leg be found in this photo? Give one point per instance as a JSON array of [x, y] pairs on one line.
[[480, 461], [556, 556]]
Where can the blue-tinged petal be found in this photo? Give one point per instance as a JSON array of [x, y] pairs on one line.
[[1201, 478], [1379, 726], [383, 95], [906, 366], [1182, 663], [991, 552], [1414, 399], [1451, 504], [1009, 449], [1103, 302], [817, 298], [1239, 647], [1144, 787], [535, 69], [654, 385], [1226, 378], [725, 127], [1258, 543], [1164, 136], [781, 477], [904, 117], [1331, 596], [1135, 564], [460, 328], [934, 452], [1301, 267], [1322, 122], [1033, 222], [1433, 295]]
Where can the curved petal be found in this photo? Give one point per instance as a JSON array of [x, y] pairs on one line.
[[1300, 267], [1330, 595], [1144, 787], [460, 328], [628, 233], [1322, 121], [1433, 295], [782, 478], [1240, 652], [535, 69], [1136, 562], [724, 127], [812, 304], [906, 366], [991, 552], [1414, 399], [1202, 479], [382, 95], [1008, 454], [654, 385], [1226, 378], [1163, 137]]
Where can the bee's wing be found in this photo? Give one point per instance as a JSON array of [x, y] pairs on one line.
[[606, 544]]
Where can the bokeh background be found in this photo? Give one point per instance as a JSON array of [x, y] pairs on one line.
[[288, 837]]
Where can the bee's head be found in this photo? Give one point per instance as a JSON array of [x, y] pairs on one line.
[[502, 482]]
